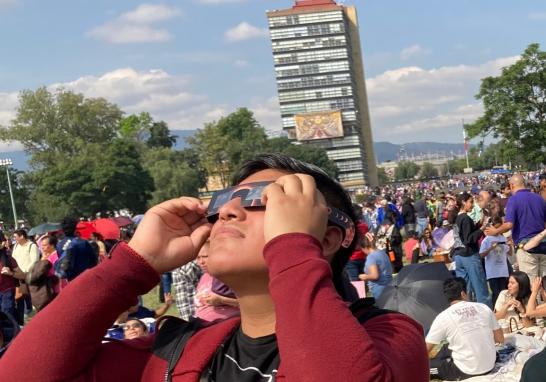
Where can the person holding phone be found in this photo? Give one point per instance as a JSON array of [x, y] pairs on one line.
[[512, 301], [282, 253]]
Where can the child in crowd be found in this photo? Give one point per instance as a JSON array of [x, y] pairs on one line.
[[495, 250]]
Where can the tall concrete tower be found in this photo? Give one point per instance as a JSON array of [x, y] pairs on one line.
[[320, 81]]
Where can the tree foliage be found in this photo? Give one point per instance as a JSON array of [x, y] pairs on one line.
[[303, 152], [428, 171], [79, 164], [160, 135], [515, 108], [406, 170], [382, 176], [224, 145], [173, 174]]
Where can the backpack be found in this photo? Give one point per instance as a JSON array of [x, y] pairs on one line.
[[64, 266], [174, 333]]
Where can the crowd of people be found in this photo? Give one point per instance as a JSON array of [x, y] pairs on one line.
[[261, 278]]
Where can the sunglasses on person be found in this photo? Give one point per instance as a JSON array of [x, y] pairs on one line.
[[251, 197], [132, 326]]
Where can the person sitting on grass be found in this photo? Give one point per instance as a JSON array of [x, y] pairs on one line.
[[512, 302], [471, 331], [280, 239]]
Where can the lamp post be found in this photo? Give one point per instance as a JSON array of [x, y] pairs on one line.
[[7, 163]]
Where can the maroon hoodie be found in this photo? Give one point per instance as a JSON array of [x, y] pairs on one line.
[[319, 339]]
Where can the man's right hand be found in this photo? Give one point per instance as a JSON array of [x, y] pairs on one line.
[[171, 233]]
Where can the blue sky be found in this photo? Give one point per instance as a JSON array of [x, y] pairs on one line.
[[192, 61]]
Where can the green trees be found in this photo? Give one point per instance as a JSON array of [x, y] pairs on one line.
[[86, 157], [428, 171], [224, 145], [515, 108], [406, 170], [81, 163]]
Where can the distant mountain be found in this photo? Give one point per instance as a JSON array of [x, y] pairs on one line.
[[384, 151]]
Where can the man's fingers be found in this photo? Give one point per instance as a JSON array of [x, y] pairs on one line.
[[291, 184], [200, 235], [272, 191], [309, 185]]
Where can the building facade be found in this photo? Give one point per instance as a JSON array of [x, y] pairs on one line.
[[320, 81]]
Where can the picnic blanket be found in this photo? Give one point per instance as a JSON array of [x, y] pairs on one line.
[[510, 364]]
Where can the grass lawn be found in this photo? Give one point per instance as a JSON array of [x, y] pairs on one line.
[[151, 301]]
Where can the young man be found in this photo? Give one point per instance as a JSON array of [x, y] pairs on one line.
[[471, 331], [275, 248]]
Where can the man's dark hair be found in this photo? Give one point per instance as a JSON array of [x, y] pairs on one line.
[[68, 226], [333, 192], [21, 232], [542, 176], [453, 288], [51, 239]]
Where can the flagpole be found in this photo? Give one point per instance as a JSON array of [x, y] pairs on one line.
[[465, 145]]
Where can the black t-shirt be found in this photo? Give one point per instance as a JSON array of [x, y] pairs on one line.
[[245, 359]]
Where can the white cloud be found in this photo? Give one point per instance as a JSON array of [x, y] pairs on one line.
[[135, 26], [537, 16], [241, 63], [413, 51], [416, 104], [7, 3], [244, 31], [267, 113], [150, 13]]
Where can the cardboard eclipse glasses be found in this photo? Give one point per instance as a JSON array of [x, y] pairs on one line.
[[251, 196]]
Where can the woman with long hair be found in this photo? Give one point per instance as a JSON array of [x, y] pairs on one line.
[[466, 251], [512, 302]]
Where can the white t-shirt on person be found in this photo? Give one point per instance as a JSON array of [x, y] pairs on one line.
[[496, 264], [468, 328], [502, 300]]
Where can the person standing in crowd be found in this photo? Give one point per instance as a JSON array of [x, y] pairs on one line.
[[378, 270], [82, 254], [42, 282], [471, 332], [25, 252], [542, 184], [422, 213], [408, 214], [211, 306], [355, 265], [477, 213], [505, 194], [10, 274], [467, 258], [185, 279], [526, 217], [100, 247], [512, 302], [496, 250], [283, 255]]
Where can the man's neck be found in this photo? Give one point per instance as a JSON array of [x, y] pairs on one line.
[[257, 315], [455, 302]]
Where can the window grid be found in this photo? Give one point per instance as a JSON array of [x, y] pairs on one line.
[[314, 81], [307, 31], [310, 107], [318, 68], [309, 95], [310, 18], [316, 43], [321, 55]]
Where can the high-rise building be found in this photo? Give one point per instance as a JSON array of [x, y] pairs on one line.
[[320, 80]]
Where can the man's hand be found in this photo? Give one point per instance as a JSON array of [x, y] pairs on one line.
[[169, 300], [536, 285], [491, 231], [171, 233], [293, 204]]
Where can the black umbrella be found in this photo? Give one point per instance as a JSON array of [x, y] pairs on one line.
[[417, 291], [44, 228]]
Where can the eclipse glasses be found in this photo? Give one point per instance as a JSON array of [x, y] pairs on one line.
[[251, 196]]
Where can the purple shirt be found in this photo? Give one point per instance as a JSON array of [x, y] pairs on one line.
[[527, 212]]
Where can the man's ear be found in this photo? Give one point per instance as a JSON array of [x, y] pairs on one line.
[[331, 242]]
